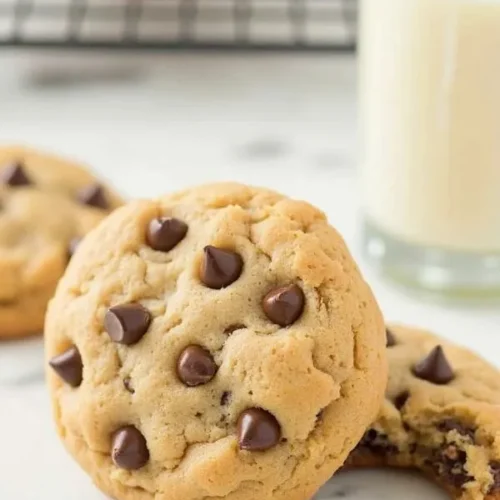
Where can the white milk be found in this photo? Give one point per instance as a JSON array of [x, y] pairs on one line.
[[430, 101]]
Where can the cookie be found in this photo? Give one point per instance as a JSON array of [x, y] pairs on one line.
[[46, 205], [218, 342], [441, 415]]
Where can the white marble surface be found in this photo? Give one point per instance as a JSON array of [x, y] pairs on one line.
[[155, 124]]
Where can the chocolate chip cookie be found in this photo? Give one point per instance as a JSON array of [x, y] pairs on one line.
[[441, 415], [46, 205], [215, 343]]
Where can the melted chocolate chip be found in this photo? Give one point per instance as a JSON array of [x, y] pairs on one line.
[[258, 430], [165, 233], [127, 323], [93, 196], [196, 366], [377, 443], [220, 268], [401, 400], [284, 305], [452, 424], [68, 365], [495, 473], [129, 448], [449, 463], [391, 339], [435, 368], [15, 175]]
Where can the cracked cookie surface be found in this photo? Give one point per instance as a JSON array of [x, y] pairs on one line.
[[441, 415], [215, 343], [46, 205]]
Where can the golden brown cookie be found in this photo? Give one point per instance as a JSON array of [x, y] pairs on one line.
[[215, 343], [441, 415], [46, 205]]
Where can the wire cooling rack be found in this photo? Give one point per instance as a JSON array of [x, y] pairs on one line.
[[180, 24]]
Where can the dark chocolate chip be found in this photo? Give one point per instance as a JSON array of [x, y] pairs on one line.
[[435, 368], [452, 424], [165, 233], [15, 175], [196, 366], [68, 365], [391, 339], [127, 323], [401, 399], [495, 474], [73, 245], [93, 196], [220, 267], [284, 305], [449, 463], [258, 430], [129, 448], [377, 443], [127, 383], [225, 399], [232, 328]]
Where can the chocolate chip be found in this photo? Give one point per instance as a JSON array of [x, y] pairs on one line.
[[68, 365], [377, 443], [449, 463], [391, 339], [73, 245], [93, 196], [127, 323], [495, 473], [129, 448], [284, 305], [165, 233], [220, 267], [225, 399], [232, 328], [196, 366], [258, 430], [127, 383], [434, 368], [452, 424], [15, 175], [401, 400]]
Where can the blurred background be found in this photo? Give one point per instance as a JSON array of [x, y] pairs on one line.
[[210, 85], [156, 95]]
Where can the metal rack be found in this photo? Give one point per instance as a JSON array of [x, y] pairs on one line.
[[312, 25]]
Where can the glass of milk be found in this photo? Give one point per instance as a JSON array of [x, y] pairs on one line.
[[430, 115]]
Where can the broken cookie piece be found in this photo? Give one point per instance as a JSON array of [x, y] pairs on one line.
[[441, 415]]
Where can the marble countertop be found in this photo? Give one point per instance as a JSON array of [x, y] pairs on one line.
[[154, 124]]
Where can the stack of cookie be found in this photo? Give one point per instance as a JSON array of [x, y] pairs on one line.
[[221, 343]]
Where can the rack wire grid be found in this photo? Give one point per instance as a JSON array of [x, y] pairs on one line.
[[315, 25]]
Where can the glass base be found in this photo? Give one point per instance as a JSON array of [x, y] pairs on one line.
[[443, 272]]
